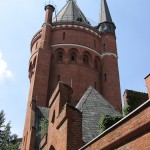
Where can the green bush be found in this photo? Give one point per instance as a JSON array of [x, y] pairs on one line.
[[134, 100], [107, 121], [43, 126]]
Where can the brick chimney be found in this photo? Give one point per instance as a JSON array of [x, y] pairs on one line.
[[147, 80]]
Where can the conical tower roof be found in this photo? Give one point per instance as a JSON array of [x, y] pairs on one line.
[[105, 13], [71, 13]]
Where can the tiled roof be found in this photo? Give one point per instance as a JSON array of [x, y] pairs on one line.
[[93, 106], [71, 13]]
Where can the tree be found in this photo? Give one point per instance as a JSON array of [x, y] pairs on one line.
[[7, 140]]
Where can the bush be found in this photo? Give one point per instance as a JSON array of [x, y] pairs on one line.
[[43, 126], [107, 121]]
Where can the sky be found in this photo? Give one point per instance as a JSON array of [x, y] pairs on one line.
[[21, 19]]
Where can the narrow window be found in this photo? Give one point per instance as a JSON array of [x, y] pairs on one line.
[[104, 47], [58, 78], [73, 57], [85, 60], [105, 77], [95, 43], [64, 35], [60, 56]]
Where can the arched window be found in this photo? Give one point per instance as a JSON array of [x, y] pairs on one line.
[[85, 60], [73, 57], [52, 147], [60, 57]]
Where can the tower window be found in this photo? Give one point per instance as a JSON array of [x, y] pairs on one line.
[[60, 57], [79, 19], [105, 77], [73, 57], [64, 35], [85, 60], [104, 47]]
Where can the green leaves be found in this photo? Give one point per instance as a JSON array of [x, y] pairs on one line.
[[43, 126], [107, 121], [7, 141]]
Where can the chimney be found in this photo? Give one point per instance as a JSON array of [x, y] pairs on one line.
[[147, 80], [49, 13]]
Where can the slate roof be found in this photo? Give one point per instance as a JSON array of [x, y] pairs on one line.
[[105, 14], [93, 106], [71, 13]]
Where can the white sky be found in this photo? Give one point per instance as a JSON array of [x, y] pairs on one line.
[[21, 19]]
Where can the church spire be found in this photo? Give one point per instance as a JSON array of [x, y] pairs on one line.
[[106, 23], [105, 14]]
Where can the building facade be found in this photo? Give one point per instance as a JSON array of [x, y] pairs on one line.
[[69, 49]]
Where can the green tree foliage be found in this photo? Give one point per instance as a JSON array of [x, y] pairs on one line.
[[43, 126], [134, 100], [7, 141], [107, 121]]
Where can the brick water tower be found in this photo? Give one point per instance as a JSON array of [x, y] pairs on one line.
[[69, 49]]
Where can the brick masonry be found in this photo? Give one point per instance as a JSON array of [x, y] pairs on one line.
[[131, 133]]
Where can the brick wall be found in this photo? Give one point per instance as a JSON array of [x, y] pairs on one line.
[[132, 132], [65, 122]]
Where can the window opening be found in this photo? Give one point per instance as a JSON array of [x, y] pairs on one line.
[[60, 57], [104, 47], [79, 19], [85, 59], [73, 57], [64, 35]]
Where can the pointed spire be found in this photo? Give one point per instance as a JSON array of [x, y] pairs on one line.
[[105, 14], [106, 24], [71, 13]]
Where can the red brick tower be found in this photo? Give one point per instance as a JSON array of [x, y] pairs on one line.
[[109, 71], [70, 50]]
